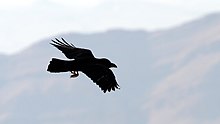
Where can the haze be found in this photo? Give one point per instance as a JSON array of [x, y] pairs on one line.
[[26, 21]]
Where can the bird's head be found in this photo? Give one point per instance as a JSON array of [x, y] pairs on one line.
[[108, 64]]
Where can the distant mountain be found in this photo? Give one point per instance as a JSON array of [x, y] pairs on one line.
[[169, 76]]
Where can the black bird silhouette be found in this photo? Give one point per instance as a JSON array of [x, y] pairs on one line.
[[83, 60]]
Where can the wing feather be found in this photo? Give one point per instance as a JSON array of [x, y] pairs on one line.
[[70, 51], [102, 76]]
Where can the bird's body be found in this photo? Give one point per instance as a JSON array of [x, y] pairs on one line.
[[84, 61], [76, 65]]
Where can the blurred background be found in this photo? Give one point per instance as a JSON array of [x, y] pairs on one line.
[[167, 53]]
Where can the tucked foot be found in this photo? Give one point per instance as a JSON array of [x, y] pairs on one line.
[[74, 74]]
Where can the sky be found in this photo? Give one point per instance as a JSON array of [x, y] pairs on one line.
[[24, 22]]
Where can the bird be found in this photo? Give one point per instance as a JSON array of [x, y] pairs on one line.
[[83, 60]]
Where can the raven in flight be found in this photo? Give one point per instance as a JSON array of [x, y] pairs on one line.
[[83, 60]]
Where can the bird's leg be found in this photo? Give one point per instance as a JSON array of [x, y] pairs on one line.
[[74, 74]]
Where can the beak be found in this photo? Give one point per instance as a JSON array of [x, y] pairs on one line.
[[114, 65]]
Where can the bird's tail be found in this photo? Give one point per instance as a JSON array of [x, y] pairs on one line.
[[57, 65]]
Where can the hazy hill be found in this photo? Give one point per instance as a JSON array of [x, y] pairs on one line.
[[169, 76]]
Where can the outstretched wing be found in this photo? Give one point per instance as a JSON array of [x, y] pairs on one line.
[[70, 51], [102, 76]]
